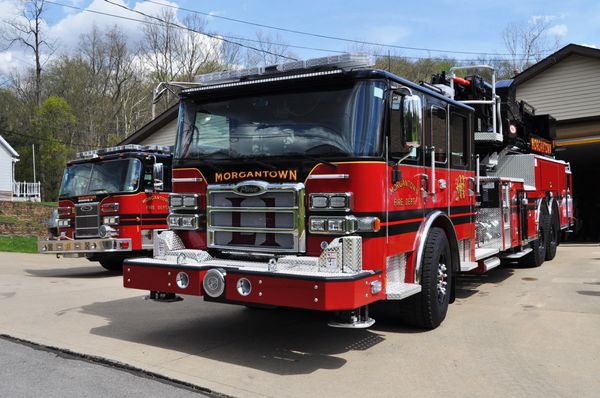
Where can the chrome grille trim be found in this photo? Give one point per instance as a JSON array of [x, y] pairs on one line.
[[295, 231], [87, 221]]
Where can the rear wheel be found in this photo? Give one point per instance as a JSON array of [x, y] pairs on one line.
[[428, 308], [537, 256], [554, 234]]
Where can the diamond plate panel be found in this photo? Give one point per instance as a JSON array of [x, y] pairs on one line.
[[166, 242], [352, 254], [395, 271], [488, 137], [185, 255], [517, 166], [488, 228], [331, 258]]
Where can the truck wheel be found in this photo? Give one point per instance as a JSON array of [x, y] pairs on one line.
[[428, 308], [553, 234], [537, 256], [112, 263]]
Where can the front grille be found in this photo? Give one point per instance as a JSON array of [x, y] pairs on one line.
[[87, 220], [268, 220]]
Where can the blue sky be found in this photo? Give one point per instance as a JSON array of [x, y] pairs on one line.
[[473, 26]]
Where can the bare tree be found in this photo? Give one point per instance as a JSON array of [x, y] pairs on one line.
[[27, 30], [197, 53], [273, 50], [529, 43], [159, 48]]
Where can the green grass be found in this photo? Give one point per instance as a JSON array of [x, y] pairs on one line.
[[20, 244], [51, 204]]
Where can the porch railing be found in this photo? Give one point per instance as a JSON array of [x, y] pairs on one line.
[[27, 191]]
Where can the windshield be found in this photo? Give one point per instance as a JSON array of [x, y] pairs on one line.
[[337, 121], [102, 177]]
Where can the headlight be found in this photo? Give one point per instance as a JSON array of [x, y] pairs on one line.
[[341, 201], [106, 231], [174, 221], [65, 211], [110, 207], [64, 223], [343, 225], [190, 201], [183, 201], [112, 220], [317, 224], [318, 201], [175, 200], [182, 280], [333, 225], [183, 221]]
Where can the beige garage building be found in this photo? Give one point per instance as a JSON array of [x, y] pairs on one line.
[[566, 85]]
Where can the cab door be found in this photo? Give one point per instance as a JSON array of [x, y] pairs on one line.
[[461, 178], [407, 181], [436, 156]]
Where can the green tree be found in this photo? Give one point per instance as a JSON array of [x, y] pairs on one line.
[[53, 124]]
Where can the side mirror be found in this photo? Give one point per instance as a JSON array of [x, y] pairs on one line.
[[406, 126], [412, 121], [406, 123], [158, 176]]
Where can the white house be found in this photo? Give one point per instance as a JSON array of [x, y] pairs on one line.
[[9, 188], [8, 158]]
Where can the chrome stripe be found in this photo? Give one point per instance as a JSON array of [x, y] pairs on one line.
[[186, 179], [329, 177]]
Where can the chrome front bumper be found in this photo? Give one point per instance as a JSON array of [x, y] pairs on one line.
[[83, 246]]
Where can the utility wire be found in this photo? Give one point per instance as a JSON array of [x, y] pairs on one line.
[[201, 33], [275, 43], [323, 36]]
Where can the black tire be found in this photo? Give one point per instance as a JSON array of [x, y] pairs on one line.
[[428, 308], [112, 263], [553, 234], [537, 256]]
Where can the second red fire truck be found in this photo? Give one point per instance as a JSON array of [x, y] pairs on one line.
[[329, 185], [110, 202]]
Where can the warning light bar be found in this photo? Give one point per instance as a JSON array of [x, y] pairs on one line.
[[123, 148], [343, 61]]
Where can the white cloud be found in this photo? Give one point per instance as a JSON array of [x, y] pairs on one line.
[[11, 60], [70, 28], [543, 18], [589, 45], [559, 30]]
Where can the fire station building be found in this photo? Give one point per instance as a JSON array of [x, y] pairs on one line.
[[566, 85]]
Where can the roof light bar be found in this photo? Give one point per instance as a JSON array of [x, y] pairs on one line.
[[343, 61], [123, 148], [265, 80]]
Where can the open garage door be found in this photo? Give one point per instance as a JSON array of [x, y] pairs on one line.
[[584, 156]]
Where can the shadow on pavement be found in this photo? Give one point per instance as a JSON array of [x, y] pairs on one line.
[[278, 341], [91, 271], [467, 284]]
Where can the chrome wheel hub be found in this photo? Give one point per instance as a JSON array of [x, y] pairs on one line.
[[442, 280]]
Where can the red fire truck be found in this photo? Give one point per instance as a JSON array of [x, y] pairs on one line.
[[110, 202], [329, 185]]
